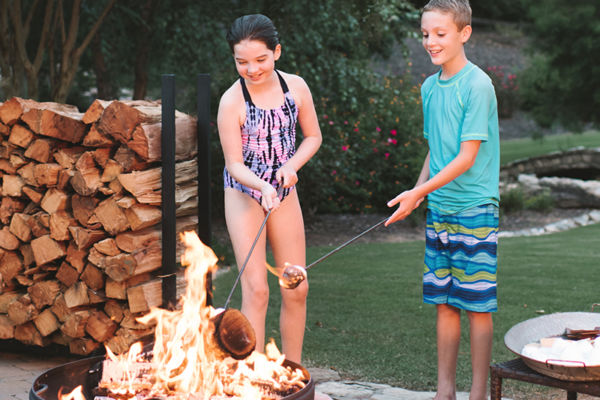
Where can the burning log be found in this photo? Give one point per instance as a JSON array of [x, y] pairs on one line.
[[78, 226]]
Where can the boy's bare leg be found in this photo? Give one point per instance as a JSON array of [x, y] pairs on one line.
[[481, 332], [448, 340]]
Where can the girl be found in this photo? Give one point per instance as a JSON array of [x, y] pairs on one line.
[[256, 120]]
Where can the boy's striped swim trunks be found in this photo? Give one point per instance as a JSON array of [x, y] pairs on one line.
[[461, 260]]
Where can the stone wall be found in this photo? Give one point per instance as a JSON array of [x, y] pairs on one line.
[[555, 164]]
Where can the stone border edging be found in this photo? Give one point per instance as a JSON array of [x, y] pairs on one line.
[[589, 218]]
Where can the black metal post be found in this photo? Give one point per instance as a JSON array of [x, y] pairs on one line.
[[169, 234], [204, 190]]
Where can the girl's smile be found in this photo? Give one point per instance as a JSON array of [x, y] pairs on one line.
[[254, 61]]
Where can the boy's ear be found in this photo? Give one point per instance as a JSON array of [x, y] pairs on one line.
[[277, 52], [465, 34]]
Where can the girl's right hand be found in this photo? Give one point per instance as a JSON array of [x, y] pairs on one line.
[[270, 200]]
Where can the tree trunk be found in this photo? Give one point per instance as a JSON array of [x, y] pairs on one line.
[[103, 80], [144, 40]]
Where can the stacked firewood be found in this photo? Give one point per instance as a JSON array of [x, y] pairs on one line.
[[80, 219]]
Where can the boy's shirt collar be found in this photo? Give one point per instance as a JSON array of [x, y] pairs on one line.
[[464, 70]]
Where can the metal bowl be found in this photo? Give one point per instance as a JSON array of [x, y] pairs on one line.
[[88, 371], [532, 330]]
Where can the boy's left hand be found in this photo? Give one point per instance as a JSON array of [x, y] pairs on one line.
[[409, 200]]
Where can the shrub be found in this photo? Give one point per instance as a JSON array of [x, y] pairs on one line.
[[512, 200], [516, 200], [561, 83], [367, 156], [505, 85]]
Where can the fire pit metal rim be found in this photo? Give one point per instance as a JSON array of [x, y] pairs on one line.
[[533, 329], [78, 372]]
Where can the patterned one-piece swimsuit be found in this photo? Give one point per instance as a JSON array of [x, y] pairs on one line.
[[268, 141]]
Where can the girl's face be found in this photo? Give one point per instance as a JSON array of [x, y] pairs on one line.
[[254, 61], [442, 39]]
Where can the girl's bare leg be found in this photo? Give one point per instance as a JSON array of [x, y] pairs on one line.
[[448, 340], [481, 332], [286, 236], [244, 216]]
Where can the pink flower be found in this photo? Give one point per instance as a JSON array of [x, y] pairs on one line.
[[325, 116], [387, 155], [357, 183], [355, 129], [378, 129], [333, 172], [345, 147], [375, 149], [392, 141], [393, 132], [330, 122], [345, 122]]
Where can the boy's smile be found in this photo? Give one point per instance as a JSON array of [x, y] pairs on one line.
[[444, 42]]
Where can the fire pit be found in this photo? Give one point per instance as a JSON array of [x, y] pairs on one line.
[[87, 372], [185, 361]]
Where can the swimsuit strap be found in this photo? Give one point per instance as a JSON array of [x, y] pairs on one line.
[[284, 85], [247, 97], [245, 90]]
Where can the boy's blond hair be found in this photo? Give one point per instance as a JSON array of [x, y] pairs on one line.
[[460, 10]]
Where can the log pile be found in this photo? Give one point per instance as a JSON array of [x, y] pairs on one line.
[[80, 219]]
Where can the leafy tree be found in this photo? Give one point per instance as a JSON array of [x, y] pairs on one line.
[[330, 43], [58, 43], [561, 83], [503, 10]]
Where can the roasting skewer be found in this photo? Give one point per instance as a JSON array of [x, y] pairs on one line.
[[234, 332], [293, 275]]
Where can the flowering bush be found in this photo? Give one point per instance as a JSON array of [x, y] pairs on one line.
[[369, 155], [506, 88]]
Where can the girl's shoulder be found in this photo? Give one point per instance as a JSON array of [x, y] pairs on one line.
[[233, 96], [293, 80], [298, 87]]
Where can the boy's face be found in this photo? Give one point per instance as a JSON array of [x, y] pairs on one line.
[[442, 40]]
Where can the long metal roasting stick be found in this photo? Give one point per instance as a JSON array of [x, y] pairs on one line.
[[293, 275], [279, 191], [346, 243]]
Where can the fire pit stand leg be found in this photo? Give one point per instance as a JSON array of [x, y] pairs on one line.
[[495, 384]]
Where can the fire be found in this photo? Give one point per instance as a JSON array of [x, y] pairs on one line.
[[186, 362]]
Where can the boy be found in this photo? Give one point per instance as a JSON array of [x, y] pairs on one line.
[[460, 179]]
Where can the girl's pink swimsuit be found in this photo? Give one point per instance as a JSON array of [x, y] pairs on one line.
[[268, 141]]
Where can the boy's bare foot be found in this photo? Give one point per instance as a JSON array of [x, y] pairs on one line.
[[440, 397]]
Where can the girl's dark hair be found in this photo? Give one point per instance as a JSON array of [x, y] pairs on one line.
[[253, 27]]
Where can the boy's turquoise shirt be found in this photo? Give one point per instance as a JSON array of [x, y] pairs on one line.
[[459, 109]]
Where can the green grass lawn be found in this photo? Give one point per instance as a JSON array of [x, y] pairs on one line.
[[366, 318], [515, 149]]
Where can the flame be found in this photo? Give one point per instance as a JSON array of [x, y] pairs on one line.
[[274, 270], [75, 394], [185, 358]]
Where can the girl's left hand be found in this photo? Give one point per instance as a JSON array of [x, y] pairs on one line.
[[287, 175]]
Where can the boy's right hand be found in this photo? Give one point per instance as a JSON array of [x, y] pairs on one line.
[[409, 200]]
